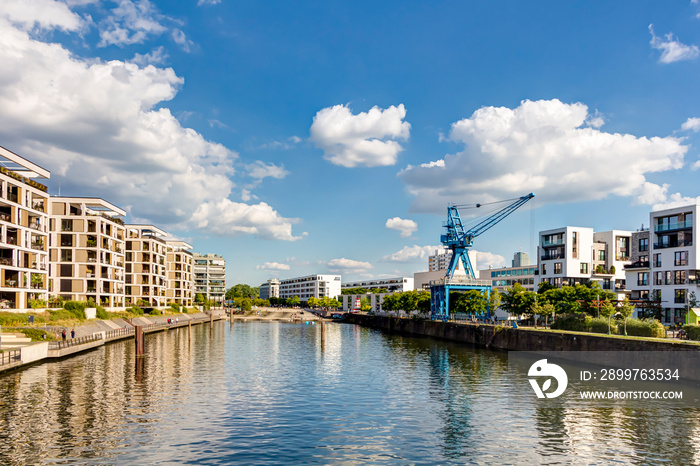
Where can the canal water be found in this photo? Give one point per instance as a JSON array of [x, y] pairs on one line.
[[283, 393]]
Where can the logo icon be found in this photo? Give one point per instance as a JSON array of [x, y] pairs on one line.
[[542, 368]]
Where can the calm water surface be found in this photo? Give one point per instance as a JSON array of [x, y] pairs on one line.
[[278, 393]]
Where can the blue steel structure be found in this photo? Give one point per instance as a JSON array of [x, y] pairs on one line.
[[459, 241]]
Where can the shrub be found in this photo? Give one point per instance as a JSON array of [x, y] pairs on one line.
[[36, 334], [574, 322], [60, 314], [600, 325], [76, 308], [692, 332], [37, 303], [102, 313], [175, 307], [136, 310], [643, 328]]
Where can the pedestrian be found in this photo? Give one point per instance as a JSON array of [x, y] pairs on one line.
[[72, 334], [63, 334]]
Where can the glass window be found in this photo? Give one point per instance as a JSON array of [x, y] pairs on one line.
[[643, 244], [584, 267], [557, 267]]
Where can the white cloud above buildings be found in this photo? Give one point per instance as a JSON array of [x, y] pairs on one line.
[[366, 139], [273, 266], [344, 265], [413, 253], [671, 49], [691, 124], [100, 128], [43, 14], [405, 226], [484, 260], [543, 147]]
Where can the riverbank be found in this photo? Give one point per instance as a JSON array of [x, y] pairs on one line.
[[277, 315], [93, 334], [516, 339]]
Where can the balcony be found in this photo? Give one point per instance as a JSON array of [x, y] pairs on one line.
[[5, 261], [38, 245], [552, 242], [638, 265], [4, 216], [549, 257], [35, 225], [38, 206], [11, 283], [674, 226], [676, 244]]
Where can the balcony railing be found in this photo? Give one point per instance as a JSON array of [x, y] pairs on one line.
[[678, 244], [37, 245], [638, 265], [35, 225], [552, 242], [4, 216], [11, 283], [549, 257], [674, 226]]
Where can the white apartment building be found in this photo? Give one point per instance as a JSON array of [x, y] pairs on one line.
[[270, 289], [571, 255], [24, 228], [179, 266], [391, 285], [441, 260], [316, 286], [669, 274], [146, 276], [87, 250], [210, 277]]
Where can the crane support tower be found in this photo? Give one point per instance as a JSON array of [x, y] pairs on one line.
[[459, 240]]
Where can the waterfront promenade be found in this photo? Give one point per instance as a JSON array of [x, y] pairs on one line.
[[92, 335]]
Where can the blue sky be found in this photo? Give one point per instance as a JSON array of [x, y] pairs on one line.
[[329, 137]]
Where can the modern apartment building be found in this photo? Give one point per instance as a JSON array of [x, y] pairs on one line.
[[270, 289], [24, 228], [391, 285], [145, 269], [210, 277], [571, 255], [317, 286], [87, 250], [668, 272], [179, 262], [441, 260]]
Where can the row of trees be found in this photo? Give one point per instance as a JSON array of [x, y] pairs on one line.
[[407, 301]]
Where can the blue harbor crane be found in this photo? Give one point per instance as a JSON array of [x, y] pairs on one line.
[[459, 240]]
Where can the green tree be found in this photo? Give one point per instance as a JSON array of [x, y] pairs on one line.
[[365, 304], [470, 302], [494, 300], [423, 302], [391, 302], [545, 309], [294, 301], [517, 300], [242, 291], [607, 310], [199, 298], [626, 310], [312, 302]]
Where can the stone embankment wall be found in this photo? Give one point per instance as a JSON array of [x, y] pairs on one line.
[[512, 339]]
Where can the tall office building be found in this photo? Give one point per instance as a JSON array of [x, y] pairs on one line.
[[210, 276]]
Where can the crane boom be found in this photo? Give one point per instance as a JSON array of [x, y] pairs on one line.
[[459, 241]]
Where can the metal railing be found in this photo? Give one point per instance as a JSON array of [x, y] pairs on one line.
[[673, 226], [74, 342], [460, 281], [10, 356], [119, 332]]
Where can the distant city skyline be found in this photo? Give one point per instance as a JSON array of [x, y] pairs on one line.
[[329, 138]]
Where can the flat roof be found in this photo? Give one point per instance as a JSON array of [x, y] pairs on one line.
[[18, 164], [94, 203], [146, 228]]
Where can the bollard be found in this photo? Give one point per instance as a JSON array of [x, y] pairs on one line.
[[139, 339]]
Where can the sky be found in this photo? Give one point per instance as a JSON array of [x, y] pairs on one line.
[[296, 138]]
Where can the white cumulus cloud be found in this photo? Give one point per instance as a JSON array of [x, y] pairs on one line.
[[484, 260], [413, 253], [691, 124], [273, 266], [366, 139], [671, 49], [101, 129], [405, 226], [44, 14], [348, 265], [542, 147]]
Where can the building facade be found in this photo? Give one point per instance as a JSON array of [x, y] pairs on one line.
[[270, 289], [179, 262], [441, 260], [674, 261], [316, 286], [24, 232], [505, 277], [210, 277], [577, 255], [87, 251], [391, 285], [145, 269]]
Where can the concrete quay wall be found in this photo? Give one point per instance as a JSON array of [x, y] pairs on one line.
[[511, 339]]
